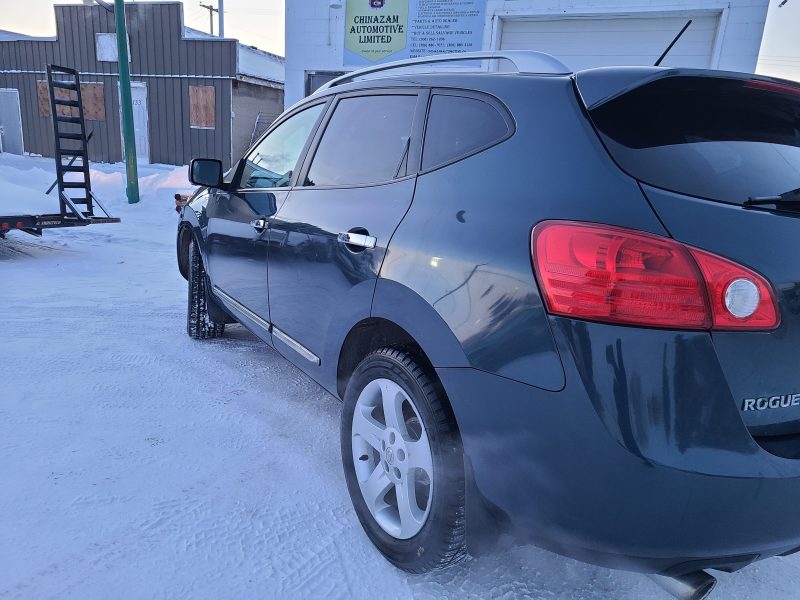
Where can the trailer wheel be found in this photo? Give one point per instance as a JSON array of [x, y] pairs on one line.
[[199, 324]]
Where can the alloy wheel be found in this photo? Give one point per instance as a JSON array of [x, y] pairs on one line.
[[392, 458]]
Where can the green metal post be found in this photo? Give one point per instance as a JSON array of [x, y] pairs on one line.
[[126, 102]]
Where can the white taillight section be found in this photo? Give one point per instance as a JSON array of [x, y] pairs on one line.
[[615, 275], [742, 298]]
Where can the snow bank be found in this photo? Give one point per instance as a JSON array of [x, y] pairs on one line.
[[24, 180], [17, 200]]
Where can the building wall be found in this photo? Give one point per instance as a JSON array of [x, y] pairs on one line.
[[248, 100], [160, 57], [310, 23]]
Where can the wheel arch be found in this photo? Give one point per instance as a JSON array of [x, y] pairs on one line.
[[399, 316], [188, 226], [188, 231], [184, 239], [366, 336]]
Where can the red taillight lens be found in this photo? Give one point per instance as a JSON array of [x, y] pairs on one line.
[[615, 275]]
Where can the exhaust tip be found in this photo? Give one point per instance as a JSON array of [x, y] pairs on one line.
[[692, 586]]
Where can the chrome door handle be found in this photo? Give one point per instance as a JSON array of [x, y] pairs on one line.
[[259, 224], [358, 239]]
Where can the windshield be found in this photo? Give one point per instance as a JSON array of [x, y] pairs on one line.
[[717, 138]]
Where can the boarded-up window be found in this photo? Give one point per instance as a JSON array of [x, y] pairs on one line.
[[105, 47], [202, 107], [93, 95]]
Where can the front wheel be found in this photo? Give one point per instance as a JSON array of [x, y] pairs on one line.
[[199, 324], [403, 462]]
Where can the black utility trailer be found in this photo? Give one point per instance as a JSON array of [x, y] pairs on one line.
[[34, 224], [76, 200]]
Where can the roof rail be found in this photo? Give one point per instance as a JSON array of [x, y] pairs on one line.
[[525, 61]]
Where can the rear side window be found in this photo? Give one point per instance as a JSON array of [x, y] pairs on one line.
[[366, 141], [717, 138], [459, 126]]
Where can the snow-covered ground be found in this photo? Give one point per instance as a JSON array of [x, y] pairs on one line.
[[137, 463]]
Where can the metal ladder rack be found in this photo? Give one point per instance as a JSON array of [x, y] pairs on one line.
[[71, 143], [69, 131]]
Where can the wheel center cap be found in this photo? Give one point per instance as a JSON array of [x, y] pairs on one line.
[[389, 456]]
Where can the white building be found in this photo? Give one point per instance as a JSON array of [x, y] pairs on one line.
[[582, 33]]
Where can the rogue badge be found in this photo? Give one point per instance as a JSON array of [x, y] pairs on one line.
[[771, 402]]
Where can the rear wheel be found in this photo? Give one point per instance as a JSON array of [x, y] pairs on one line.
[[199, 324], [403, 462]]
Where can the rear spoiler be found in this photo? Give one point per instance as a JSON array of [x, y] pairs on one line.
[[601, 85]]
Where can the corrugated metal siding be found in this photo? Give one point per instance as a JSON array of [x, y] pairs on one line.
[[160, 58]]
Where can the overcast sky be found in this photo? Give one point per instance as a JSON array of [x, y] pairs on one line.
[[260, 23], [255, 22]]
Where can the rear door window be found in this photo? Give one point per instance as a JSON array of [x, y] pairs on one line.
[[717, 138], [459, 126], [366, 141]]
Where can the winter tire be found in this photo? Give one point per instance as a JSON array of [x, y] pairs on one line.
[[403, 462], [199, 324]]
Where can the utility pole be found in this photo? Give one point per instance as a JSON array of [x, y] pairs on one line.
[[126, 103], [221, 9], [211, 10]]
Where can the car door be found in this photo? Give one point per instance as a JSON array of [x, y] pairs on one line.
[[237, 242], [330, 237]]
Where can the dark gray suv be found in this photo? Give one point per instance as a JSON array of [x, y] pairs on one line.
[[561, 308]]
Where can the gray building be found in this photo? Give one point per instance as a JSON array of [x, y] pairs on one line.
[[193, 94]]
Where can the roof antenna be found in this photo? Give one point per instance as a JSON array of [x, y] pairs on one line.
[[677, 37]]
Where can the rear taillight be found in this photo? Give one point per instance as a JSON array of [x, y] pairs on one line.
[[615, 275]]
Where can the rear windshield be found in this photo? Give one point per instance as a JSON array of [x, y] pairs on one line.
[[717, 138]]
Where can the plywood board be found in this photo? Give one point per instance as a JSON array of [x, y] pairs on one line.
[[94, 101], [202, 106]]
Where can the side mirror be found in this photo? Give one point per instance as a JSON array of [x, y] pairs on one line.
[[206, 172]]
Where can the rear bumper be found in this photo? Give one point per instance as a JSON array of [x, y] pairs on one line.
[[642, 462]]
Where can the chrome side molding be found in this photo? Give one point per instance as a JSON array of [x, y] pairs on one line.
[[296, 346], [242, 308], [267, 326]]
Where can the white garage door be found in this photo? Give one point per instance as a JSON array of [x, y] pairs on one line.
[[582, 43]]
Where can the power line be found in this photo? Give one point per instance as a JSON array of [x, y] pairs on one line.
[[259, 11], [788, 63], [211, 10]]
